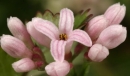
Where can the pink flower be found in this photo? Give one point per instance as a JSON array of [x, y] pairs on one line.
[[58, 68], [62, 38], [109, 38], [112, 36], [18, 29], [21, 45], [98, 53], [23, 65], [115, 13], [96, 26], [106, 31], [14, 47]]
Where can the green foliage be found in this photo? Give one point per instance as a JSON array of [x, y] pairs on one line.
[[80, 70], [5, 65], [48, 15], [80, 19]]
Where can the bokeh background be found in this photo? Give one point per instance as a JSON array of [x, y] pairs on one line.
[[116, 64]]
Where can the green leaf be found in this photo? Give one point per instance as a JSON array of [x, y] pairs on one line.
[[80, 19], [54, 18], [48, 15], [5, 65], [39, 14], [84, 68]]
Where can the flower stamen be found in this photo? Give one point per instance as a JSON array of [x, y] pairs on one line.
[[63, 37]]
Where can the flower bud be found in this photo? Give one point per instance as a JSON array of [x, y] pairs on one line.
[[38, 51], [23, 65], [14, 47], [58, 68], [112, 36], [18, 29], [115, 13], [38, 36], [96, 26], [98, 53]]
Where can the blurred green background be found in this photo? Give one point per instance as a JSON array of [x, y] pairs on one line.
[[116, 64]]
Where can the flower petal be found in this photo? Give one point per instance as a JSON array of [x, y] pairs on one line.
[[38, 36], [81, 37], [58, 50], [66, 21], [46, 27]]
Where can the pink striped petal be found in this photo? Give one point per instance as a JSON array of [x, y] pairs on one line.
[[46, 27], [66, 21], [81, 37], [58, 50], [38, 36]]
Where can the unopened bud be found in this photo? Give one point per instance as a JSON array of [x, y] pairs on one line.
[[14, 47], [23, 65], [115, 13], [98, 53], [58, 68], [18, 29], [112, 36], [96, 26]]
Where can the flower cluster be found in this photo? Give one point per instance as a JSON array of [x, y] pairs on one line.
[[60, 40], [102, 33], [21, 46], [106, 32]]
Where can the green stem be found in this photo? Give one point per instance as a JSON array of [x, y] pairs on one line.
[[73, 57], [87, 70], [45, 60]]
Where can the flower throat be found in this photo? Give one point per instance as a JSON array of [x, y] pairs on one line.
[[63, 37]]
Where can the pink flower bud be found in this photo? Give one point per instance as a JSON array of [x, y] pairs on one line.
[[38, 36], [96, 26], [98, 53], [37, 50], [112, 36], [18, 29], [23, 65], [115, 13], [58, 68], [14, 47]]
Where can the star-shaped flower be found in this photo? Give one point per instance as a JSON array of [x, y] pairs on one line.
[[62, 38]]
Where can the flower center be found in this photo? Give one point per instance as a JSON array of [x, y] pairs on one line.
[[63, 37]]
